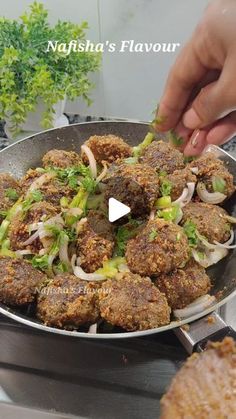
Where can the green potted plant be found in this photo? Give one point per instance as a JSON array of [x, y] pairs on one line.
[[34, 80]]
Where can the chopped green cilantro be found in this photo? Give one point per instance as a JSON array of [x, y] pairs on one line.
[[166, 187], [218, 184], [152, 235], [190, 231], [176, 140], [11, 194]]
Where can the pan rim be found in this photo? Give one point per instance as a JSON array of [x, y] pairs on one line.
[[121, 335]]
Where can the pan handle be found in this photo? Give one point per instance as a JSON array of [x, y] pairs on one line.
[[195, 336]]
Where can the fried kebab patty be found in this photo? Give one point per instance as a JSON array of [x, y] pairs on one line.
[[7, 182], [159, 248], [95, 242], [209, 220], [68, 302], [204, 387], [107, 148], [19, 227], [182, 286], [209, 167], [61, 159], [135, 185], [52, 188], [19, 281], [162, 157], [133, 303]]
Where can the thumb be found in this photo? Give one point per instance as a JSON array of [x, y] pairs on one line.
[[213, 102]]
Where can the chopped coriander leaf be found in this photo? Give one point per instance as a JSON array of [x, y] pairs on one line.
[[62, 267], [152, 235], [175, 139], [201, 255], [166, 187], [218, 184], [11, 194], [188, 159], [122, 236], [162, 173], [125, 233], [34, 196], [89, 184], [110, 267], [191, 232], [40, 262]]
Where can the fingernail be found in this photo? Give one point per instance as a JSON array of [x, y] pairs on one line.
[[191, 119], [194, 138]]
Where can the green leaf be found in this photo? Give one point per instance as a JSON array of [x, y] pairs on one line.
[[11, 194], [166, 187], [176, 140], [218, 184], [40, 262], [191, 232], [152, 235]]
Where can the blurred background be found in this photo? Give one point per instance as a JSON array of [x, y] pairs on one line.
[[129, 85]]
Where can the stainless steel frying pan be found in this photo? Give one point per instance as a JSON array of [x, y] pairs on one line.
[[27, 153]]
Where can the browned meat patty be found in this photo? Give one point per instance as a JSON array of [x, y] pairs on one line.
[[133, 302], [162, 157], [61, 159], [178, 181], [107, 148], [182, 286], [204, 388], [159, 248], [9, 191], [19, 281], [136, 185], [68, 302], [52, 189], [95, 242], [19, 227], [209, 220], [209, 167]]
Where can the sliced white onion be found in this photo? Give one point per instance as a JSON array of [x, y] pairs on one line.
[[179, 216], [40, 181], [211, 257], [217, 245], [80, 224], [123, 267], [42, 252], [63, 251], [93, 328], [228, 244], [182, 197], [21, 253], [194, 170], [35, 226], [79, 272], [200, 304], [152, 215], [102, 174], [92, 162], [209, 197], [32, 238], [229, 218], [186, 195]]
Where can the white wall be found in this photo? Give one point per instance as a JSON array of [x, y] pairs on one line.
[[130, 84]]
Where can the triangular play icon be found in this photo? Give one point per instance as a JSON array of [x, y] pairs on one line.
[[116, 210]]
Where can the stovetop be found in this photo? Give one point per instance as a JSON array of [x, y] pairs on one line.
[[89, 379]]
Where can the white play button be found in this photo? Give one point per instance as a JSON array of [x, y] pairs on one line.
[[116, 210]]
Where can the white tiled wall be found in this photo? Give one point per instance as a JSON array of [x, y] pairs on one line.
[[129, 84]]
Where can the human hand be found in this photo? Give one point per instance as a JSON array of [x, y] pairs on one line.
[[199, 100]]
